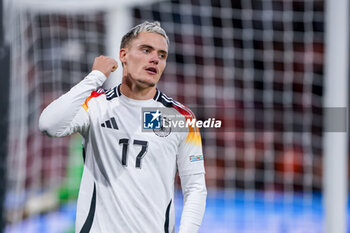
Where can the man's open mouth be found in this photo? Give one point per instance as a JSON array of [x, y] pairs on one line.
[[151, 70]]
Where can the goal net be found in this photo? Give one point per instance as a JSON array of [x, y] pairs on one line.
[[257, 65], [51, 52]]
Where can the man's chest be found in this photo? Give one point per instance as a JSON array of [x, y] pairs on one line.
[[119, 134]]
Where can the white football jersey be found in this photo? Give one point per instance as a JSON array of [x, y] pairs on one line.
[[128, 179]]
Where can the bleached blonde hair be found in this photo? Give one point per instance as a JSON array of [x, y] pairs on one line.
[[153, 27]]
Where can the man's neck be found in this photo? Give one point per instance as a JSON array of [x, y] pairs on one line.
[[136, 92]]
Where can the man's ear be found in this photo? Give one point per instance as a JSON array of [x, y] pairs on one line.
[[122, 55]]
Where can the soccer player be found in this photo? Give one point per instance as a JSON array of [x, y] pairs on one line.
[[128, 179]]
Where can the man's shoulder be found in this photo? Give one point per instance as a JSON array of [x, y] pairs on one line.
[[101, 95], [169, 102], [107, 94], [112, 92]]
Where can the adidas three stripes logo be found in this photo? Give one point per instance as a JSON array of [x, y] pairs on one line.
[[111, 123]]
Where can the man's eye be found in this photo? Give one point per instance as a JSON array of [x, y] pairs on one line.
[[162, 56], [146, 50]]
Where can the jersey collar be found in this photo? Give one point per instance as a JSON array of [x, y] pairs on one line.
[[156, 97]]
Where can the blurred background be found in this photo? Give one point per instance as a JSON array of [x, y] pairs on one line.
[[257, 65]]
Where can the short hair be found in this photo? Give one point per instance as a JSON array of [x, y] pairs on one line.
[[153, 27]]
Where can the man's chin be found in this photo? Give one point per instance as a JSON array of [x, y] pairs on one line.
[[143, 82], [146, 83]]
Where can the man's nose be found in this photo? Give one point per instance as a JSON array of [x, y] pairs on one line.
[[154, 58]]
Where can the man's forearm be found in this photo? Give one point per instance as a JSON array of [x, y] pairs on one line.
[[56, 118], [195, 194]]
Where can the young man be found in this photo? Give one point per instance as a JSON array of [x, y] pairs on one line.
[[128, 179]]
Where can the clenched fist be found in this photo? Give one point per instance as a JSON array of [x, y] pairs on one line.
[[105, 64]]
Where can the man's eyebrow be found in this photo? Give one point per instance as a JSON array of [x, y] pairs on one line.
[[151, 47]]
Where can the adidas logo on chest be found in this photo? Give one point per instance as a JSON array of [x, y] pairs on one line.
[[111, 124]]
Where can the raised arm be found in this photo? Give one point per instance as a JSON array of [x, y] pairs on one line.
[[66, 114]]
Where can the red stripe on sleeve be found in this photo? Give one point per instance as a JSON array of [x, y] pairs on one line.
[[92, 95]]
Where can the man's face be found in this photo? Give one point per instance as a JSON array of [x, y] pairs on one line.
[[144, 59]]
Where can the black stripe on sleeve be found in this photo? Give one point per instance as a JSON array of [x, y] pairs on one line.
[[90, 218], [166, 224], [112, 93], [163, 100]]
